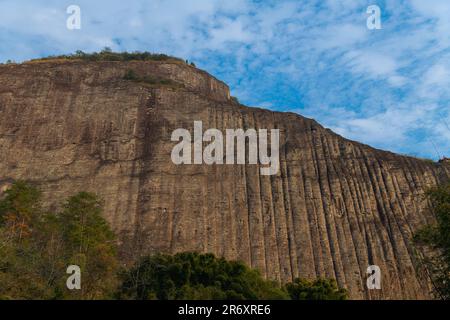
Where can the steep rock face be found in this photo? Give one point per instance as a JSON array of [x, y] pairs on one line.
[[335, 207]]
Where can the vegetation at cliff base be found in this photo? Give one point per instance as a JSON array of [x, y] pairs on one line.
[[437, 238], [318, 289], [37, 246], [196, 276]]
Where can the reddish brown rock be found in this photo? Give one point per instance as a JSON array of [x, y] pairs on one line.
[[336, 206]]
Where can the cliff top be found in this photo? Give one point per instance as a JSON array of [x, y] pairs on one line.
[[145, 68]]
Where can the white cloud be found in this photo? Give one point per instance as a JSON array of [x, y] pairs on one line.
[[377, 86]]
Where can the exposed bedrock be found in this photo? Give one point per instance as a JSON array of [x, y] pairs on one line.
[[335, 207]]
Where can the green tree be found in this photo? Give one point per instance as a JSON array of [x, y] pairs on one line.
[[437, 238], [319, 289], [24, 260], [90, 244], [36, 247], [195, 276], [19, 208]]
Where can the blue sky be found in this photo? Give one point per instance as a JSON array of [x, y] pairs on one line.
[[389, 88]]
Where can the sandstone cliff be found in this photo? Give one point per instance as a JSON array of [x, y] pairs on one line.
[[336, 206]]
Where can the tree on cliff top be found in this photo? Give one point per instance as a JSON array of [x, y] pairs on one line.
[[108, 55]]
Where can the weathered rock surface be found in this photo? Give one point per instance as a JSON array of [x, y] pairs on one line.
[[336, 206]]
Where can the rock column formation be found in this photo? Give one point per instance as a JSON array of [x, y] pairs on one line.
[[335, 207]]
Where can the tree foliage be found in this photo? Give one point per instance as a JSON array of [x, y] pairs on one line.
[[195, 276], [319, 289], [152, 80], [437, 238], [108, 55], [36, 247], [90, 244]]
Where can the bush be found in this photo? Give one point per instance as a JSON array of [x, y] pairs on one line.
[[132, 76], [195, 276], [319, 289], [108, 55]]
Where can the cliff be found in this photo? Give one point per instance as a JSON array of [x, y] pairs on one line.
[[334, 208]]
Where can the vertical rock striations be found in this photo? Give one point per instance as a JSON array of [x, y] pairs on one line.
[[335, 207]]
